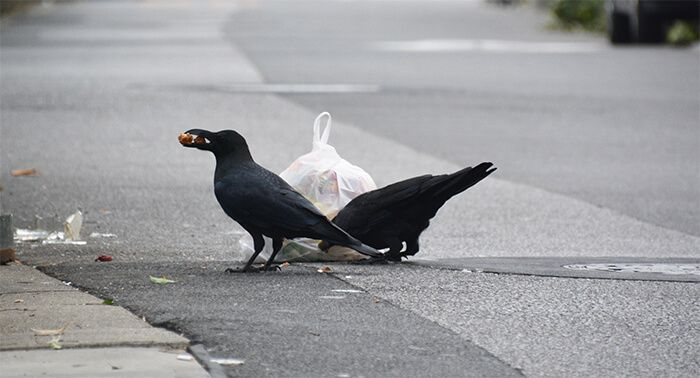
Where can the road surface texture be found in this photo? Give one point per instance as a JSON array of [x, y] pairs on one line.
[[597, 149]]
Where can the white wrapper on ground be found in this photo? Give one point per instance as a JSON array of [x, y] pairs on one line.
[[329, 182]]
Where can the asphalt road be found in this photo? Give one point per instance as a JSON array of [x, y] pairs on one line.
[[615, 127], [596, 149]]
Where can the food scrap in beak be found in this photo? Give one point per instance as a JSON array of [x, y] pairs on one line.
[[189, 139]]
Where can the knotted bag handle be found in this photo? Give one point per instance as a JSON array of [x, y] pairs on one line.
[[322, 138]]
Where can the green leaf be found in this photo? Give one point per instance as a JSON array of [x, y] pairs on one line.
[[108, 302], [160, 280], [55, 343]]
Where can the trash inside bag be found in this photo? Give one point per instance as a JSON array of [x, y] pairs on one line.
[[329, 182]]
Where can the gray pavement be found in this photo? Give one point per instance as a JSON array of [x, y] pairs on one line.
[[94, 94]]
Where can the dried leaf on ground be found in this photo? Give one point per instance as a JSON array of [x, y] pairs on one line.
[[24, 172], [325, 269], [50, 332], [161, 280], [19, 300]]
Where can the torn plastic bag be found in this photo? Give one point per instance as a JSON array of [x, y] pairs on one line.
[[329, 182]]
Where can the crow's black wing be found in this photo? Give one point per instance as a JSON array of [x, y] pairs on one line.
[[265, 201], [374, 209]]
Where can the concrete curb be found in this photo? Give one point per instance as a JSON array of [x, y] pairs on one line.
[[40, 314]]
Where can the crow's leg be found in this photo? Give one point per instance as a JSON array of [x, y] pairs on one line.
[[412, 248], [259, 244], [395, 247], [276, 246]]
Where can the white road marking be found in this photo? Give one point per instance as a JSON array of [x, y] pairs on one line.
[[300, 88], [486, 45]]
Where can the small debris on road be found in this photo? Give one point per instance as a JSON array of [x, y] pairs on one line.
[[19, 300], [161, 280], [102, 235], [228, 361], [70, 234], [376, 300], [346, 291], [185, 357], [54, 343], [332, 297], [325, 269], [24, 172], [108, 302], [103, 258]]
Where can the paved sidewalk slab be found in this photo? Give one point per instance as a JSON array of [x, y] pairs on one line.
[[98, 362], [31, 300]]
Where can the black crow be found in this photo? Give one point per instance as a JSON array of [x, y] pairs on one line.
[[396, 214], [262, 202]]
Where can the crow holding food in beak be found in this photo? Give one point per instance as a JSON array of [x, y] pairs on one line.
[[396, 214], [262, 202]]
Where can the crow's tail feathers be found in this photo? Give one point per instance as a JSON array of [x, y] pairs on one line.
[[455, 183], [334, 235]]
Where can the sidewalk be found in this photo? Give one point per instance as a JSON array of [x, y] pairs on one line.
[[98, 340]]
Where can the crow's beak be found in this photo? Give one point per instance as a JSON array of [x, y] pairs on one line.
[[197, 138]]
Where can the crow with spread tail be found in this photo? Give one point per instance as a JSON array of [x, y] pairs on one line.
[[262, 202], [396, 214]]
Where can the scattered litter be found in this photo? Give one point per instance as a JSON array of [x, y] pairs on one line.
[[346, 291], [67, 283], [103, 258], [24, 235], [70, 234], [331, 297], [59, 237], [73, 225], [160, 280], [376, 300], [108, 302], [477, 270], [284, 264], [227, 361], [185, 357], [54, 343], [24, 172], [325, 269], [315, 333], [19, 300], [50, 332], [105, 211], [102, 235]]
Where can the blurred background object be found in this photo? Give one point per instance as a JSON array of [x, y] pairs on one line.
[[651, 21]]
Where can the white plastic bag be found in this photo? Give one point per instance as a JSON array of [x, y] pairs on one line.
[[329, 182]]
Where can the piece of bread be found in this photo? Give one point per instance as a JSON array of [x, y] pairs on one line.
[[185, 138]]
